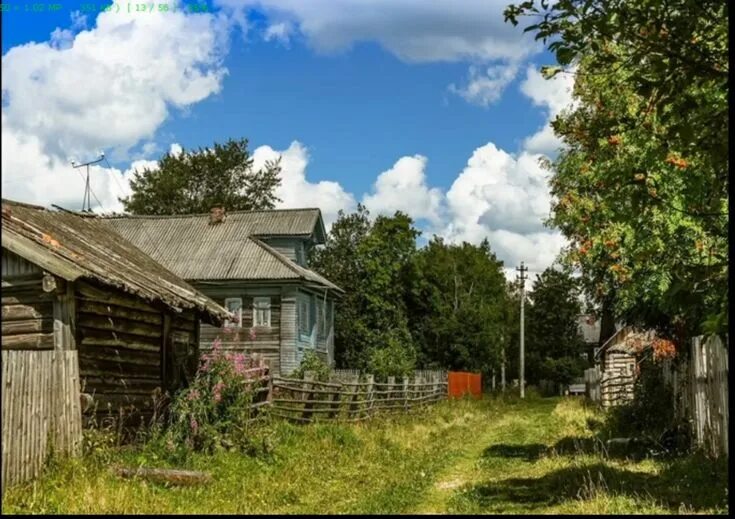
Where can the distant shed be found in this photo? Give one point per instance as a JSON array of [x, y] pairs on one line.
[[84, 310], [618, 358]]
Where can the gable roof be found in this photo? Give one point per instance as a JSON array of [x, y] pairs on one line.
[[300, 223], [73, 247], [628, 339], [231, 250]]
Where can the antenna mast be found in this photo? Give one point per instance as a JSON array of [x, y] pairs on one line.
[[87, 199]]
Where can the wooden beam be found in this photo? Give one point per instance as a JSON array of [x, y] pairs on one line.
[[33, 341]]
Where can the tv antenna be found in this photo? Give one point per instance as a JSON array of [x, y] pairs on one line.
[[87, 200]]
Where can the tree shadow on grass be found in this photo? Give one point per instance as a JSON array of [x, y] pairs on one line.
[[526, 452], [693, 481]]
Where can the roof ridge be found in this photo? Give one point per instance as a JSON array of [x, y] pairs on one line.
[[193, 215], [24, 204]]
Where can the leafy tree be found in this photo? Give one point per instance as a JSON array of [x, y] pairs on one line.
[[641, 188], [195, 181], [554, 346], [370, 260], [457, 306]]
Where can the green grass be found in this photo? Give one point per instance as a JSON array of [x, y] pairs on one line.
[[497, 455]]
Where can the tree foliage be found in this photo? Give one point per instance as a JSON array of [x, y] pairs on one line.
[[457, 306], [370, 260], [641, 187], [193, 182], [442, 306], [554, 346]]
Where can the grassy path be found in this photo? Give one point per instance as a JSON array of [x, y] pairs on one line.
[[490, 456]]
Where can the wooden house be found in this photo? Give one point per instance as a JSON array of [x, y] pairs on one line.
[[255, 263], [618, 358], [85, 310]]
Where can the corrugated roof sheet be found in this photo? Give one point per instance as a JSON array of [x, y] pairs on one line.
[[194, 249], [72, 246]]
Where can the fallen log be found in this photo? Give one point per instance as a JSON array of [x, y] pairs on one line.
[[170, 476]]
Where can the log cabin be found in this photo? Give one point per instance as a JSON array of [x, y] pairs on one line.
[[255, 263], [70, 285]]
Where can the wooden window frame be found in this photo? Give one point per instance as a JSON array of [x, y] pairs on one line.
[[233, 324], [266, 311]]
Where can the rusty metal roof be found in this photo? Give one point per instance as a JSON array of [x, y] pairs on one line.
[[71, 247], [196, 250]]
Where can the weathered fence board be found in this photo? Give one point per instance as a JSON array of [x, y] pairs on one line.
[[40, 410], [351, 400], [709, 394]]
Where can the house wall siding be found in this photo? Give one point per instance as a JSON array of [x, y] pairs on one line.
[[27, 311], [267, 342]]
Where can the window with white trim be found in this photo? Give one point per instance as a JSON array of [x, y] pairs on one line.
[[234, 306], [262, 311]]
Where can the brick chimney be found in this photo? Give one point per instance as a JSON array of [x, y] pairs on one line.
[[217, 215]]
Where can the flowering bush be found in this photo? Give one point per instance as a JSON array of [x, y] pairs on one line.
[[215, 409]]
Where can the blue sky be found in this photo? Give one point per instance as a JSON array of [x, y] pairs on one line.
[[435, 109]]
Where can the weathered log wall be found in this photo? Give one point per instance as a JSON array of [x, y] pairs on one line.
[[120, 339]]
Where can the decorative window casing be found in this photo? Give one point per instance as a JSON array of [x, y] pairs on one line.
[[262, 311], [234, 305]]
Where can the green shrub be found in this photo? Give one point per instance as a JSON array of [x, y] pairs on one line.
[[396, 359], [312, 362], [215, 410]]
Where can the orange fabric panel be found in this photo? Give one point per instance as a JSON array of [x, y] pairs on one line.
[[462, 382]]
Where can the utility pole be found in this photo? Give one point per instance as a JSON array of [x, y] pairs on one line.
[[87, 199], [502, 369], [522, 278]]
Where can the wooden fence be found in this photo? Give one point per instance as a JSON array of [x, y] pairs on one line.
[[700, 387], [708, 405], [306, 400], [41, 410]]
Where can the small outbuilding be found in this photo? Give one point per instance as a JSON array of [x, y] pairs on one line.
[[88, 320], [618, 358]]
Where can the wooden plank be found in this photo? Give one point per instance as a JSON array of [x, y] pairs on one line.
[[85, 291], [33, 341], [107, 309], [118, 324], [25, 326], [22, 312]]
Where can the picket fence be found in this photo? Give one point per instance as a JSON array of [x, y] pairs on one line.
[[700, 387]]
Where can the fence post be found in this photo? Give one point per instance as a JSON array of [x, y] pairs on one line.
[[370, 379], [355, 395], [405, 393], [308, 377]]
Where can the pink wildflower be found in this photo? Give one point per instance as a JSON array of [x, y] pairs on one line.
[[193, 395], [252, 335], [217, 344], [194, 425], [217, 391]]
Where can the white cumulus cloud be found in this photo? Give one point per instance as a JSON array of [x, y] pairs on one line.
[[109, 87], [404, 188], [296, 190], [553, 95]]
